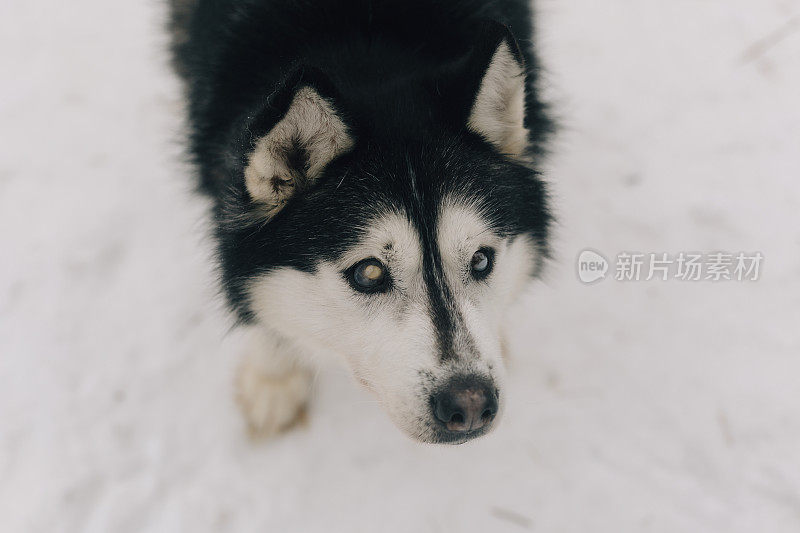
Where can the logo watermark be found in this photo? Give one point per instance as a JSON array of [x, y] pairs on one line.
[[662, 266], [592, 266]]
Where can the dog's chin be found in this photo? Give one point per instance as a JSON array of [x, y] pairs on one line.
[[435, 433], [443, 436]]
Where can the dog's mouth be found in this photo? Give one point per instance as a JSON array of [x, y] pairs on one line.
[[442, 435]]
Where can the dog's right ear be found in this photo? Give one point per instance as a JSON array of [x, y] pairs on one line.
[[485, 90], [298, 132]]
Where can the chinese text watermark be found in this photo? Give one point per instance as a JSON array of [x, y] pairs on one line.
[[681, 266]]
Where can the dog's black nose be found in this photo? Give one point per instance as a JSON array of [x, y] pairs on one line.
[[465, 404]]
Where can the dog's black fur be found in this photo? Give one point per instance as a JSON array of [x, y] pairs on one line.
[[402, 73]]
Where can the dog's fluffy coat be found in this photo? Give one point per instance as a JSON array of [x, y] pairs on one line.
[[332, 131]]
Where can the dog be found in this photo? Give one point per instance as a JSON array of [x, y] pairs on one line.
[[372, 166]]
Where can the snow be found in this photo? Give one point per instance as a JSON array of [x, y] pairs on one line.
[[633, 407]]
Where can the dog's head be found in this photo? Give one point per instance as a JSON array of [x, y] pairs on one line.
[[394, 233]]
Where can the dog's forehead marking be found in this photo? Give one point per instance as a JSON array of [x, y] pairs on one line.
[[425, 206]]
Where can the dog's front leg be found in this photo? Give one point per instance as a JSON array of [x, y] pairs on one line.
[[272, 385]]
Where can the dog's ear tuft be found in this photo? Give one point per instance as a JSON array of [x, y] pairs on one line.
[[485, 89], [287, 157], [498, 110]]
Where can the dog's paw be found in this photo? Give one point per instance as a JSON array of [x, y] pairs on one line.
[[270, 402]]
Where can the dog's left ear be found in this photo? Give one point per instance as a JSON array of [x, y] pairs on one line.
[[494, 76], [297, 134]]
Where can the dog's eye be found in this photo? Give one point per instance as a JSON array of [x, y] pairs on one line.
[[368, 276], [482, 262]]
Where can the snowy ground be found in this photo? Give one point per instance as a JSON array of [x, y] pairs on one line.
[[650, 406]]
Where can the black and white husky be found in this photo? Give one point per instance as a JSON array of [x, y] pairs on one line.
[[372, 165]]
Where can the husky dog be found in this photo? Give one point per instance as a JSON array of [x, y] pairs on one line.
[[372, 166]]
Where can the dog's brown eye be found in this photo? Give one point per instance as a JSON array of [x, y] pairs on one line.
[[482, 262], [368, 276]]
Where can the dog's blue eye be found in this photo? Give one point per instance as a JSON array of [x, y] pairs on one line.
[[481, 264], [368, 276]]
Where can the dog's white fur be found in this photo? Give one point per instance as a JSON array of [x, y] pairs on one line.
[[313, 123], [498, 112], [387, 340]]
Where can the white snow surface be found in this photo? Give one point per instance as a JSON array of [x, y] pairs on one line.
[[633, 407]]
